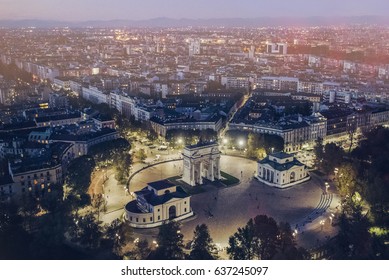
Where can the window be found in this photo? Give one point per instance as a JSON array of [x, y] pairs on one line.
[[184, 210], [130, 218], [159, 210], [185, 202], [144, 220], [151, 219], [137, 220], [159, 217]]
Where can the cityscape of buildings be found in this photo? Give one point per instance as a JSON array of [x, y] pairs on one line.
[[65, 93]]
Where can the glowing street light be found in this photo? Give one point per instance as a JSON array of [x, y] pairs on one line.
[[327, 186], [322, 222], [225, 141], [240, 143]]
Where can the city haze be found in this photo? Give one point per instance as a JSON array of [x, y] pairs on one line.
[[85, 10]]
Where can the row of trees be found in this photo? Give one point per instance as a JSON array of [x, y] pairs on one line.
[[115, 153], [261, 238], [257, 145], [361, 178], [178, 137]]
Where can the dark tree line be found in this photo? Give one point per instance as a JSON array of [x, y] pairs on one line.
[[362, 180], [190, 136], [262, 238], [258, 145]]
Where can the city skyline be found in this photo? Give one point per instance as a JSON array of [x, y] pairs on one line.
[[133, 10]]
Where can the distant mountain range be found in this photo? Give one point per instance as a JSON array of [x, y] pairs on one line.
[[217, 22]]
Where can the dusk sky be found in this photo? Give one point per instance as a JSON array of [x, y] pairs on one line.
[[80, 10]]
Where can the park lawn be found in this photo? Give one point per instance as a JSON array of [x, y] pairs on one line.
[[228, 180]]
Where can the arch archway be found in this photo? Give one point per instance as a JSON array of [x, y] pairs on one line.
[[172, 212], [292, 176]]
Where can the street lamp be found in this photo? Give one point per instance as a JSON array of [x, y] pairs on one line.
[[225, 141], [327, 186], [240, 143], [272, 149], [322, 224]]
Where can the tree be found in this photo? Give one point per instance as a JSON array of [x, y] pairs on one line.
[[333, 157], [208, 135], [346, 180], [119, 234], [262, 238], [354, 240], [97, 202], [86, 230], [170, 242], [14, 239], [78, 176], [373, 156], [141, 252], [319, 150], [287, 249], [122, 163], [258, 239], [202, 244], [253, 143], [242, 245], [140, 154], [266, 231], [108, 150]]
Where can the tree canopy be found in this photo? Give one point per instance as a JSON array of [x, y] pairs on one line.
[[262, 238], [202, 244]]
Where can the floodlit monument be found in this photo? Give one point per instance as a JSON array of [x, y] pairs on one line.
[[281, 170], [201, 161], [157, 203]]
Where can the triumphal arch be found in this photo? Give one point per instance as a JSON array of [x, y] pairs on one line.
[[201, 161]]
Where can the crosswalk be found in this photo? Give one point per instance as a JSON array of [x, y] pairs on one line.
[[320, 209]]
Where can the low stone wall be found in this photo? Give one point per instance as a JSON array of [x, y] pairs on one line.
[[151, 224]]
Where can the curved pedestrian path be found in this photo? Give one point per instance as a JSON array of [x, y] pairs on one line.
[[321, 208]]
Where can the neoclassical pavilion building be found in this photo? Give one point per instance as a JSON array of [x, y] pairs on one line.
[[157, 203], [281, 170]]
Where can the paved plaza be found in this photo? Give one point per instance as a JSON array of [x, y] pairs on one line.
[[226, 209]]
